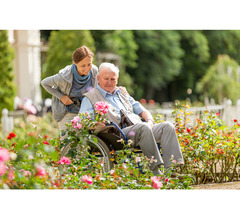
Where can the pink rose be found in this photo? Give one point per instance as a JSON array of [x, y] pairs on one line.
[[25, 172], [64, 160], [41, 171], [78, 126], [2, 168], [11, 173], [104, 111], [154, 178], [87, 179], [101, 107], [156, 183], [4, 155], [75, 120]]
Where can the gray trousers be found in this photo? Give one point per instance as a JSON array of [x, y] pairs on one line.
[[147, 138], [62, 124]]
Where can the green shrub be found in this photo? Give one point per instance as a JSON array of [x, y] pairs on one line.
[[221, 80], [7, 86]]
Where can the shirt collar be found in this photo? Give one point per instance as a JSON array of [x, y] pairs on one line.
[[105, 93]]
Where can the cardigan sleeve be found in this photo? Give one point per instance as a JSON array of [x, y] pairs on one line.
[[51, 85]]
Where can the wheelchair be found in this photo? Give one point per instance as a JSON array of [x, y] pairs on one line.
[[108, 141]]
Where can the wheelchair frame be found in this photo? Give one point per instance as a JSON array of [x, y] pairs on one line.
[[106, 142]]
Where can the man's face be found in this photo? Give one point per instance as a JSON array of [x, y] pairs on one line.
[[107, 80]]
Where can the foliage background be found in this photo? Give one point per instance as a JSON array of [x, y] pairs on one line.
[[62, 44], [154, 64], [7, 86]]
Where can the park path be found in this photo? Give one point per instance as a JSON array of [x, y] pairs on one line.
[[218, 186]]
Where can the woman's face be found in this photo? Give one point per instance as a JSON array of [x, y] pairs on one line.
[[84, 66]]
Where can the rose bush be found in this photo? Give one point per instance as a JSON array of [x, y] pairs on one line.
[[30, 156], [211, 150]]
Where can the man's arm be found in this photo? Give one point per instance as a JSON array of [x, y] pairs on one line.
[[147, 116], [141, 111]]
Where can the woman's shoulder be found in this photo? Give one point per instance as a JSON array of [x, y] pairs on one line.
[[65, 70], [66, 73]]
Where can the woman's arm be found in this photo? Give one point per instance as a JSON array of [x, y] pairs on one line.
[[50, 84]]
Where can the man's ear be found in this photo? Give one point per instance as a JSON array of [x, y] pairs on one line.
[[98, 78]]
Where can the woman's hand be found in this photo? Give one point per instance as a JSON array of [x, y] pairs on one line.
[[123, 89], [98, 125], [66, 100]]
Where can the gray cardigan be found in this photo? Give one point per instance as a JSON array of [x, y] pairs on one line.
[[59, 85]]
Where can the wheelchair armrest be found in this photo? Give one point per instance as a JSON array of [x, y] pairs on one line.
[[119, 129]]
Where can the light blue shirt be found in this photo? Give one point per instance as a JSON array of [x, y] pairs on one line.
[[114, 99]]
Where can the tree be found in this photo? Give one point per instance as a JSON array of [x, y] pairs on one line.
[[121, 43], [7, 85], [223, 42], [62, 44], [194, 64], [221, 80], [159, 61]]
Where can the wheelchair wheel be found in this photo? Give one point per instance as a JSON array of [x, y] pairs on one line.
[[101, 151]]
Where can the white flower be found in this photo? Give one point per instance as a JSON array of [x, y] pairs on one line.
[[137, 159], [112, 172], [30, 157], [120, 140], [13, 156]]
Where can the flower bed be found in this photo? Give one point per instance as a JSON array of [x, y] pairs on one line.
[[30, 157], [211, 150]]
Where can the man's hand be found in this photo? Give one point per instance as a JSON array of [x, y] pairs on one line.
[[150, 122], [66, 100], [98, 125], [146, 115]]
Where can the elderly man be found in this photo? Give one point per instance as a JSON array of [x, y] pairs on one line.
[[147, 134]]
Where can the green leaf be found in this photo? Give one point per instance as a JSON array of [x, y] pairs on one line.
[[95, 140]]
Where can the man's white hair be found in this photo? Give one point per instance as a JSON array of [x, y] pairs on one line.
[[109, 66]]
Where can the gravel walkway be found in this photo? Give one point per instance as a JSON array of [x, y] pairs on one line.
[[221, 186]]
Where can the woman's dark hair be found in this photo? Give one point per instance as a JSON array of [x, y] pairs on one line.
[[80, 53]]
